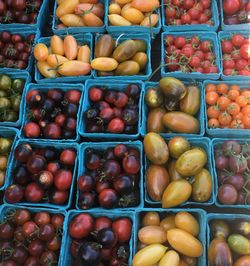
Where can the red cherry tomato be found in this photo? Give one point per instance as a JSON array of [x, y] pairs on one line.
[[102, 222], [81, 225], [32, 130], [63, 179], [68, 157], [122, 228]]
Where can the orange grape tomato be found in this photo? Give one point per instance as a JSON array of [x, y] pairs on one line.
[[213, 111], [233, 94], [225, 119], [235, 87], [233, 109], [238, 116], [241, 100], [210, 87], [246, 121], [213, 123], [237, 124], [223, 103], [212, 98], [245, 110], [222, 88]]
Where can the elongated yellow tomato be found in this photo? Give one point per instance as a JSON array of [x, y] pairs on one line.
[[150, 21], [168, 222], [70, 47], [187, 222], [89, 1], [128, 68], [55, 60], [133, 15], [56, 44], [184, 243], [176, 193], [72, 20], [97, 9], [123, 2], [117, 20], [171, 258], [145, 5], [151, 218], [74, 68], [104, 64], [152, 234], [91, 20], [149, 255], [114, 8], [141, 46], [66, 7], [59, 1], [84, 54], [46, 70], [141, 58], [41, 52]]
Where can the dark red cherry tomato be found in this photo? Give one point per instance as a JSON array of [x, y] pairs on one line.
[[131, 164], [29, 229], [6, 231], [73, 96], [31, 130], [63, 179], [36, 247], [52, 131], [68, 157], [108, 198], [85, 183], [95, 94], [122, 228], [42, 218], [21, 216], [81, 225], [116, 125], [14, 194], [33, 192], [120, 150], [57, 220], [102, 222], [59, 197]]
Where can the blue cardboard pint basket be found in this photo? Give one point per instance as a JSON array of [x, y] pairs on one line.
[[205, 144], [103, 146], [128, 36], [196, 27], [15, 74], [199, 214], [210, 36], [225, 132], [8, 132], [24, 32], [74, 30], [40, 20], [236, 27], [225, 35], [233, 217], [60, 146], [67, 258], [10, 209], [83, 38], [199, 115], [215, 143], [133, 28], [118, 85], [45, 88]]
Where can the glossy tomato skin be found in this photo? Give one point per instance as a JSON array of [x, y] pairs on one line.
[[102, 222], [123, 228], [33, 193], [108, 198], [81, 225], [63, 179]]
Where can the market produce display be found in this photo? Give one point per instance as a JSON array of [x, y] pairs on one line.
[[30, 237], [192, 53], [173, 107], [5, 147], [75, 13], [111, 177], [235, 55], [124, 58], [228, 106], [236, 11], [16, 49], [188, 12], [100, 240], [232, 167], [186, 175], [11, 90], [229, 241], [63, 57], [19, 11], [179, 230], [41, 174], [52, 114], [133, 12], [113, 111]]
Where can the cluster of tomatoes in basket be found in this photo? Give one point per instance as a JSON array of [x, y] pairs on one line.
[[41, 175], [15, 50], [111, 179], [188, 12], [189, 54], [29, 238], [236, 55], [113, 111], [52, 114], [19, 11], [100, 241], [228, 106]]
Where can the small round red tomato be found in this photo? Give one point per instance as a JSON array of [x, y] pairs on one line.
[[85, 183], [241, 64], [42, 218], [33, 192], [121, 100], [52, 131], [36, 247], [131, 164], [57, 220], [122, 228], [170, 12], [186, 19], [32, 130], [188, 51], [106, 114], [230, 7], [59, 197], [14, 194], [108, 198], [180, 41], [67, 157], [29, 228], [95, 94], [227, 46], [102, 222], [206, 46], [73, 96], [116, 125], [194, 61], [237, 40], [81, 225], [22, 216], [169, 40], [245, 51], [63, 179]]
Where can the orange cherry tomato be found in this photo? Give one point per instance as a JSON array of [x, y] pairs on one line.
[[245, 110], [233, 109], [210, 87], [223, 103], [238, 116], [41, 52], [233, 94], [241, 100], [225, 119], [245, 93], [213, 123], [212, 98], [222, 88], [235, 87], [246, 120], [70, 47], [237, 124], [213, 111]]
